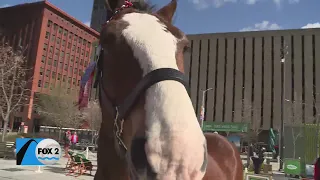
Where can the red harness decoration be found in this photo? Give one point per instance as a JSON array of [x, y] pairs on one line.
[[127, 4]]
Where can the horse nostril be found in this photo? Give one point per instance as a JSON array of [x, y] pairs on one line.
[[139, 158]]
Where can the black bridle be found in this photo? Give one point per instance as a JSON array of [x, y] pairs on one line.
[[122, 110]]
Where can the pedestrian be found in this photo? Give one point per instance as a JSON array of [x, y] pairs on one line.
[[316, 175], [74, 139], [66, 138]]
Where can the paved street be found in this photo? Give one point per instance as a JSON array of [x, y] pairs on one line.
[[9, 170]]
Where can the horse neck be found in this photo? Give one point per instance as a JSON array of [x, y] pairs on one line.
[[110, 165]]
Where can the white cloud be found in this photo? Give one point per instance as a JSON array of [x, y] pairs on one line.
[[4, 5], [264, 25], [87, 23], [311, 25], [251, 2], [203, 4]]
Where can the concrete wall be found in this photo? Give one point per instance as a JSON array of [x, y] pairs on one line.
[[246, 74]]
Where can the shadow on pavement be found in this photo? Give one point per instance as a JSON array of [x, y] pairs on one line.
[[54, 169]]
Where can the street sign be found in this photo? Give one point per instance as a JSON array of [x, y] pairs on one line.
[[224, 127]]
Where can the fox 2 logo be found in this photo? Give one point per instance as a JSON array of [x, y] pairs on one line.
[[37, 151]]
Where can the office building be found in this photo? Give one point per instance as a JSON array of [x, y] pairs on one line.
[[59, 48]]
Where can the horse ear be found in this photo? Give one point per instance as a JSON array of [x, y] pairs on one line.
[[168, 11], [112, 5]]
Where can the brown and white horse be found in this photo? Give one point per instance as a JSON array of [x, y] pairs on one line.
[[149, 128]]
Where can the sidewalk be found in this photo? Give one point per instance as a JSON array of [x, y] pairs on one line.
[[9, 170]]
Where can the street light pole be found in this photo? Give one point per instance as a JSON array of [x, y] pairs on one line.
[[203, 106], [281, 142]]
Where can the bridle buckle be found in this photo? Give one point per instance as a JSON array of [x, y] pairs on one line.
[[118, 129]]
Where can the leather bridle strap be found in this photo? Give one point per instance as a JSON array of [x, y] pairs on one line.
[[147, 81], [155, 76]]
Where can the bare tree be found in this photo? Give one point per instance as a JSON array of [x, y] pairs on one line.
[[14, 92], [59, 109], [294, 122], [251, 116], [93, 115]]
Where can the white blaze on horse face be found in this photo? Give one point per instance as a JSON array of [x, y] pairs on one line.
[[175, 142]]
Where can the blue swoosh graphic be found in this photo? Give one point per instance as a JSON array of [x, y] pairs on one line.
[[47, 158]]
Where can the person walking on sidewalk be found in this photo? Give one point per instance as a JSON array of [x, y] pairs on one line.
[[74, 139]]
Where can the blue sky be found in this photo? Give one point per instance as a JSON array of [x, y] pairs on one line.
[[210, 16]]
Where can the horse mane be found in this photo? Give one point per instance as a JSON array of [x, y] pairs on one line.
[[143, 5]]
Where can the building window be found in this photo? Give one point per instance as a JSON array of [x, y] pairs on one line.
[[74, 81], [63, 42], [59, 76], [47, 35], [78, 83], [75, 70], [67, 56], [72, 58], [66, 67], [75, 38], [48, 73], [85, 63], [60, 30], [57, 52], [51, 49], [62, 54], [80, 40], [55, 63], [53, 75], [73, 47], [70, 69], [43, 60], [84, 42], [41, 71], [39, 83], [58, 40], [77, 59], [78, 51], [82, 52], [49, 61], [49, 23], [65, 32], [53, 37], [46, 84], [64, 78], [69, 80], [69, 45], [70, 36], [60, 65], [87, 53], [45, 46], [80, 72], [81, 62], [89, 44], [55, 26]]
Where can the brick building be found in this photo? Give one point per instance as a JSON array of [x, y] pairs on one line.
[[59, 48]]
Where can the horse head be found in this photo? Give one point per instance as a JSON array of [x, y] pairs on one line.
[[145, 106]]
